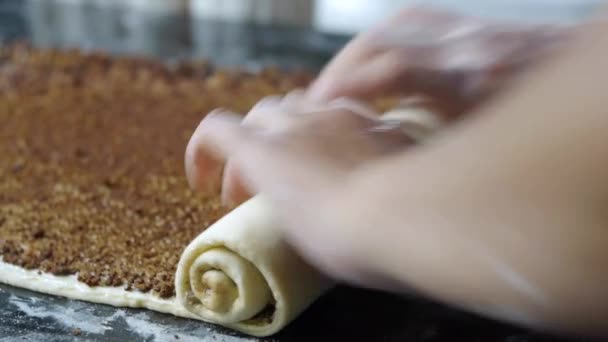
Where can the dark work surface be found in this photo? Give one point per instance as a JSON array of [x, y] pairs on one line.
[[343, 315]]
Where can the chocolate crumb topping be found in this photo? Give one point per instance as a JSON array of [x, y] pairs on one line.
[[91, 173]]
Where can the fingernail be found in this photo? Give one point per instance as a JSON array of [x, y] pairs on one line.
[[221, 118], [317, 91], [267, 102], [216, 111], [354, 106]]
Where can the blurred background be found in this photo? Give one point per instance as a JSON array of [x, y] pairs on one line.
[[250, 33]]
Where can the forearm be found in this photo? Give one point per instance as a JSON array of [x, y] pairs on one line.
[[506, 214]]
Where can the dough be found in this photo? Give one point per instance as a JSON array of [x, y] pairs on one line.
[[238, 273], [245, 253]]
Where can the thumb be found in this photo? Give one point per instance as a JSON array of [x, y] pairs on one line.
[[203, 160]]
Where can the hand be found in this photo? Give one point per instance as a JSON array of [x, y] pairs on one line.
[[503, 214], [276, 116], [301, 161], [457, 60]]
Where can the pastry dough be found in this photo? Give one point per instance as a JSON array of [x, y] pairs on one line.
[[238, 273], [260, 284]]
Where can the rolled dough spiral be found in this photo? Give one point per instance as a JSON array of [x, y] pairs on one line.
[[241, 274]]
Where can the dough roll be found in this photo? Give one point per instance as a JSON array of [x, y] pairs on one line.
[[241, 274]]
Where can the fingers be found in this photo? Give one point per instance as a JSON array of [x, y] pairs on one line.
[[226, 138], [276, 115], [297, 101], [234, 191], [365, 80], [387, 71], [354, 106], [220, 134], [366, 68], [272, 114], [354, 54], [261, 162], [203, 160], [265, 115], [393, 72], [417, 123], [448, 56]]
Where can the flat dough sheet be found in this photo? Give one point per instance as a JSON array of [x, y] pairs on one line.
[[238, 273]]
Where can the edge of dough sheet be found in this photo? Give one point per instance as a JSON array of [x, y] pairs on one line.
[[70, 287]]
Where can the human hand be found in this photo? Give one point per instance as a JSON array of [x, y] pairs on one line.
[[345, 128], [455, 59], [301, 157], [514, 229]]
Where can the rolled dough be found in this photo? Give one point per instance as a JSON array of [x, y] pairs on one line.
[[238, 273]]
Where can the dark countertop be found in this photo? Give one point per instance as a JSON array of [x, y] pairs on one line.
[[345, 314]]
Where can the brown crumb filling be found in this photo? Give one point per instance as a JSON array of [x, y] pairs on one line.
[[91, 161]]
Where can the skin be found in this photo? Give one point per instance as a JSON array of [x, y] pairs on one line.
[[502, 212], [385, 60]]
